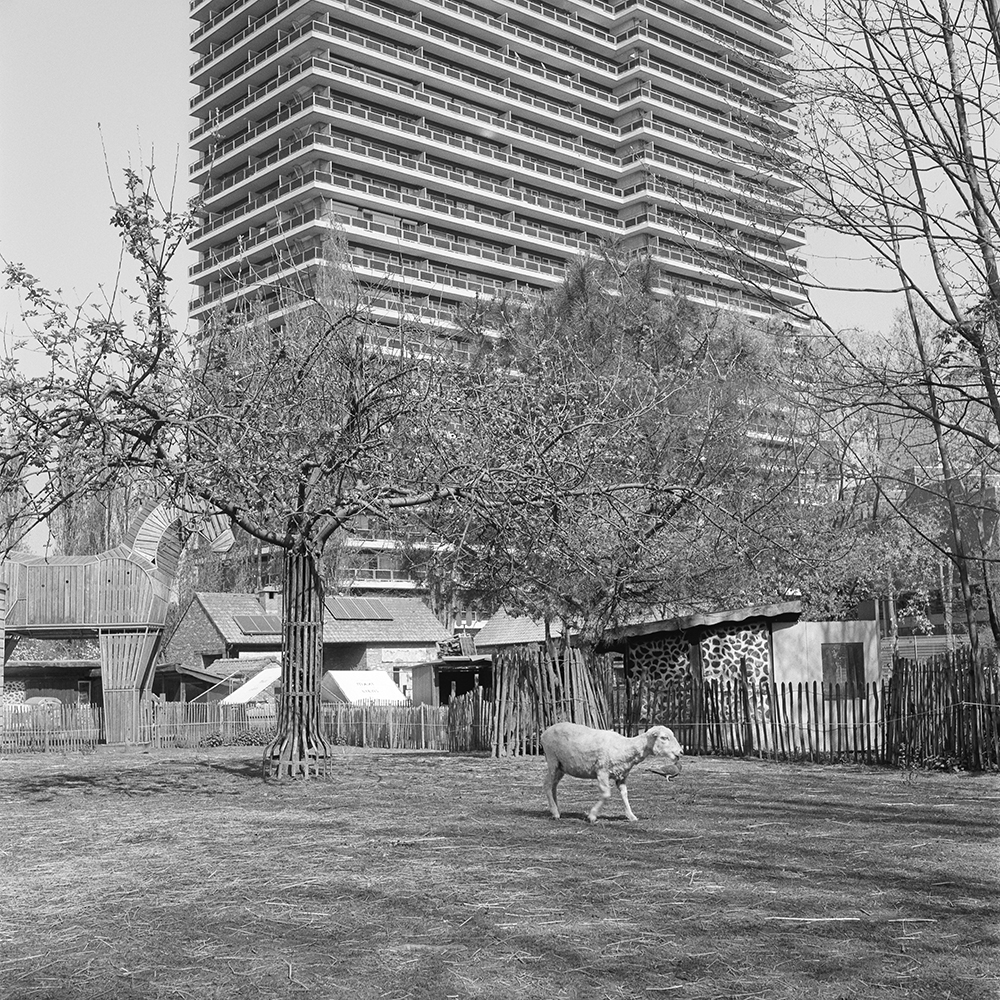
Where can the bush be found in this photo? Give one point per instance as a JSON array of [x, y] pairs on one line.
[[245, 738]]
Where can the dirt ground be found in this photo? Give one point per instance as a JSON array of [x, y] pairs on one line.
[[426, 875]]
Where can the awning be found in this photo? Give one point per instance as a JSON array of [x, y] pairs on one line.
[[254, 688], [355, 686]]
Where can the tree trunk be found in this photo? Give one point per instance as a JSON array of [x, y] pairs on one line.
[[299, 750]]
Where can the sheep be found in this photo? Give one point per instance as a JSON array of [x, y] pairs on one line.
[[602, 754]]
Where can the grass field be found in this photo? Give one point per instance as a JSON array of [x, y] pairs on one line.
[[182, 875]]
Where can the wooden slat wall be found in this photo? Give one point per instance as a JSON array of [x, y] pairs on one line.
[[125, 661], [537, 685], [78, 592]]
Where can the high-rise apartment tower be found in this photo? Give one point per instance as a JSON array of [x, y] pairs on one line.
[[463, 147]]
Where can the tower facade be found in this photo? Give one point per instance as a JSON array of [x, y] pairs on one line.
[[463, 148]]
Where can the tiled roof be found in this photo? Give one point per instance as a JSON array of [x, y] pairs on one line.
[[221, 608], [504, 629], [412, 622]]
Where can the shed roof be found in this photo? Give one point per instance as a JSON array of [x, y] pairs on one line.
[[393, 621], [224, 668], [504, 629], [782, 611]]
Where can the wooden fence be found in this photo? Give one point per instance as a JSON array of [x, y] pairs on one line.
[[945, 712], [40, 728], [942, 713], [538, 684], [463, 725]]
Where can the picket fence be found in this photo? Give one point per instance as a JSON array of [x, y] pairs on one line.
[[50, 728], [940, 713], [464, 725]]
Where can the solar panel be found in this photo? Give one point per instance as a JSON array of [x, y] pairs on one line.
[[258, 624], [347, 609]]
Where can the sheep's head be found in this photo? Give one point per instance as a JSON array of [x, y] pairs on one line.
[[661, 742]]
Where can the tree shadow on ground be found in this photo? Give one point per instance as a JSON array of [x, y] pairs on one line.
[[131, 776], [244, 769]]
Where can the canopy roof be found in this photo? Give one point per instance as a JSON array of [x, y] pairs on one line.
[[255, 687], [355, 686]]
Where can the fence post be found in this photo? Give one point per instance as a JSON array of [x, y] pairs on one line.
[[748, 748]]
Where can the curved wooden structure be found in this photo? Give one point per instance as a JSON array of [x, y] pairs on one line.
[[120, 595]]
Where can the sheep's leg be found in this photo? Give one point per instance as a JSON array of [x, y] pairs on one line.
[[629, 815], [604, 783], [552, 779]]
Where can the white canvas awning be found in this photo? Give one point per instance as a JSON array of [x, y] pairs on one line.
[[255, 687], [360, 685]]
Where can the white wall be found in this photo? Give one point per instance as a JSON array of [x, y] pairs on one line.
[[797, 649]]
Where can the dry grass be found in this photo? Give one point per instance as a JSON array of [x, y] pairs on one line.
[[433, 876]]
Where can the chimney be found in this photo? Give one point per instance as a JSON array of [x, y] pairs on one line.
[[269, 599]]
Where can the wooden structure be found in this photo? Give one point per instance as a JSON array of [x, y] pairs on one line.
[[120, 596], [538, 684]]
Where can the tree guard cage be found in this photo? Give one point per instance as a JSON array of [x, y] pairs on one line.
[[120, 596]]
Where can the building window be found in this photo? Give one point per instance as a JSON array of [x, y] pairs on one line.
[[844, 664]]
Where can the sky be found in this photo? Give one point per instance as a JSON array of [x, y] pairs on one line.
[[81, 79], [92, 86]]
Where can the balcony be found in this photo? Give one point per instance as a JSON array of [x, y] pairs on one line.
[[465, 17], [233, 43], [717, 15], [732, 140], [472, 152], [725, 214], [725, 182], [674, 26], [401, 62], [693, 229], [683, 141], [412, 169], [430, 211], [371, 84], [706, 93], [707, 74], [546, 15], [246, 7], [374, 234]]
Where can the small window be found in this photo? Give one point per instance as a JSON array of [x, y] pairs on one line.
[[844, 664]]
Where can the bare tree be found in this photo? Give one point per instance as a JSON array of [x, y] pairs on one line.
[[901, 114]]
